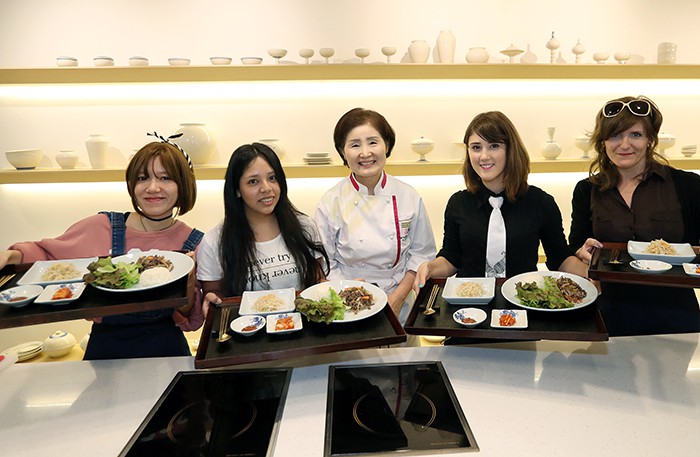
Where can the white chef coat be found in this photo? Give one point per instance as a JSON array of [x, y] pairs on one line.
[[375, 237]]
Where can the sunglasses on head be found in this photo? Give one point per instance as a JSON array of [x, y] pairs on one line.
[[639, 107]]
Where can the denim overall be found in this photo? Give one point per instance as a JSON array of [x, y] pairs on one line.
[[142, 334]]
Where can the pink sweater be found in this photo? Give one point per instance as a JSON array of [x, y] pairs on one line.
[[92, 237]]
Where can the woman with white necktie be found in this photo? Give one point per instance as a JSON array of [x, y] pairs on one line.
[[494, 227]]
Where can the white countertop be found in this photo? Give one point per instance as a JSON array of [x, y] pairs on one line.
[[630, 396]]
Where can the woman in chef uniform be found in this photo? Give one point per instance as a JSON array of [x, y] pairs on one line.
[[373, 226]]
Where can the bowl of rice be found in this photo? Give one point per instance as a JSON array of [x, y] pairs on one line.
[[264, 302], [469, 291]]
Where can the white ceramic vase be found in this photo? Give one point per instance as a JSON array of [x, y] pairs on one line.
[[419, 51], [97, 147], [551, 149], [274, 144], [197, 142], [477, 55], [583, 142], [446, 46]]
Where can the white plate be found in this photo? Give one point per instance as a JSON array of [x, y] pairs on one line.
[[479, 316], [320, 291], [508, 288], [449, 293], [272, 321], [520, 316], [182, 265], [691, 269], [650, 266], [250, 297], [316, 154], [46, 297], [34, 274], [685, 253], [25, 351], [30, 292], [238, 324]]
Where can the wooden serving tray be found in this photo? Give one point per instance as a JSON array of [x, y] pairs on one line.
[[602, 271], [93, 302], [585, 324], [314, 338]]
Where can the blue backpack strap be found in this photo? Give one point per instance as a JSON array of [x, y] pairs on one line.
[[193, 240], [117, 221]]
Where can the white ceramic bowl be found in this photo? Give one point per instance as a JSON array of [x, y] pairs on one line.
[[24, 159], [64, 61], [220, 60], [67, 159], [277, 53], [58, 344], [19, 296], [252, 324], [103, 61], [475, 314], [650, 266], [251, 60], [138, 61], [178, 62], [272, 323]]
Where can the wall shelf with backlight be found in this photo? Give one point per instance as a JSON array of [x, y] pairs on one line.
[[54, 80]]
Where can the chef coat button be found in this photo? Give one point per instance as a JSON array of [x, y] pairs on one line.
[[391, 237], [356, 202]]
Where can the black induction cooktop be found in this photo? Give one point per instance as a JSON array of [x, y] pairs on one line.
[[389, 409], [214, 413]]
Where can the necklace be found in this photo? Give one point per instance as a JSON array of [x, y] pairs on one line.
[[155, 220], [159, 220]]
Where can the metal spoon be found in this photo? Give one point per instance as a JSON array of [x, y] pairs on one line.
[[223, 325], [431, 301]]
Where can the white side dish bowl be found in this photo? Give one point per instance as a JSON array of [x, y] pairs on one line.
[[452, 286], [249, 299], [251, 60], [178, 62], [272, 323], [138, 61], [691, 269], [20, 296], [650, 266], [103, 61], [684, 252], [64, 61], [220, 60], [464, 316], [252, 324], [58, 344]]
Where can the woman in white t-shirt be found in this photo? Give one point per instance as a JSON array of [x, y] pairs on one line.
[[264, 242]]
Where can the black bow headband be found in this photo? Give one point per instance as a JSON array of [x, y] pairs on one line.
[[167, 140]]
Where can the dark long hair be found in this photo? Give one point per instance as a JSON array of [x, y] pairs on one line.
[[238, 251], [495, 127]]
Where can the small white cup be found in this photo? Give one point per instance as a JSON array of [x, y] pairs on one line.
[[666, 53]]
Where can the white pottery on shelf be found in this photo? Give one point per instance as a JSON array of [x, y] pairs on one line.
[[622, 57], [551, 149], [58, 344], [419, 51], [197, 142], [666, 53], [601, 57], [666, 141], [512, 52], [66, 159], [477, 55], [577, 50], [422, 146], [528, 56], [446, 46], [583, 142], [97, 147], [388, 51], [274, 144], [552, 45]]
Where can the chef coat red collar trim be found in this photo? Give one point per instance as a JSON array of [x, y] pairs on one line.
[[356, 184]]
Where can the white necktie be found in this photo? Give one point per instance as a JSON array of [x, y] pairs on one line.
[[496, 241]]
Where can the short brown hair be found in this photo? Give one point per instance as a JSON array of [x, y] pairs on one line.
[[175, 165], [495, 127], [602, 171], [356, 117]]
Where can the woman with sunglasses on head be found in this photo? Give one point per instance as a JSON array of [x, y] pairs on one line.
[[494, 228], [162, 185], [374, 226], [264, 242], [633, 194]]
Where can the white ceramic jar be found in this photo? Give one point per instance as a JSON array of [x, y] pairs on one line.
[[197, 142], [274, 144], [477, 55], [419, 51], [67, 159], [58, 344], [551, 149], [97, 147]]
